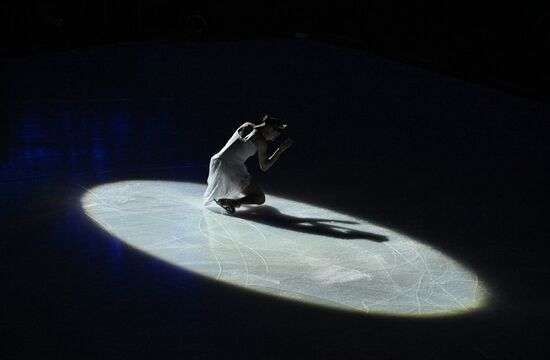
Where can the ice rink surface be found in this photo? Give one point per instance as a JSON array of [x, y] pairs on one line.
[[408, 196], [286, 248]]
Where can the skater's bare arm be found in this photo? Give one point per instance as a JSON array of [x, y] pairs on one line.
[[265, 162]]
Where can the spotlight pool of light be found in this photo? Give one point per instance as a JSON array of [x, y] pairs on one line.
[[288, 249]]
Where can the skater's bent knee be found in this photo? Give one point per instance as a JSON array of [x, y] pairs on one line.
[[261, 199]]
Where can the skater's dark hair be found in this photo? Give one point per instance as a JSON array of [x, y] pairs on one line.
[[274, 122]]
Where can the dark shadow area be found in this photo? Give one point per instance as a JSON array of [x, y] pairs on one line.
[[269, 215]]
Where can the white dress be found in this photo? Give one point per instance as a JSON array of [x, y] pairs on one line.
[[228, 175]]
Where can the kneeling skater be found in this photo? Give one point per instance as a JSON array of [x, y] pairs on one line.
[[228, 174]]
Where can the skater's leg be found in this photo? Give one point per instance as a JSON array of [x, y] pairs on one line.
[[253, 194]]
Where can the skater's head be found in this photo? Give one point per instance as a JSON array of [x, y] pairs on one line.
[[272, 127]]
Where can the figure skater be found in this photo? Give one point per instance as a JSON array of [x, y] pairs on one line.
[[228, 175]]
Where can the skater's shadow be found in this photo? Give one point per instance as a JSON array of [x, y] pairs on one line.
[[269, 215]]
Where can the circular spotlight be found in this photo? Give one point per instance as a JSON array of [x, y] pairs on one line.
[[287, 249]]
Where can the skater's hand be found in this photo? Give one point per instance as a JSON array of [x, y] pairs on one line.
[[285, 144]]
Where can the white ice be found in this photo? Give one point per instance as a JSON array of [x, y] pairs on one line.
[[287, 249]]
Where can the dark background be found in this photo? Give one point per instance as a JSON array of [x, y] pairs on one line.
[[389, 125], [504, 45]]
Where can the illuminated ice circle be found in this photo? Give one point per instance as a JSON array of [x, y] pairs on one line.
[[286, 248]]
